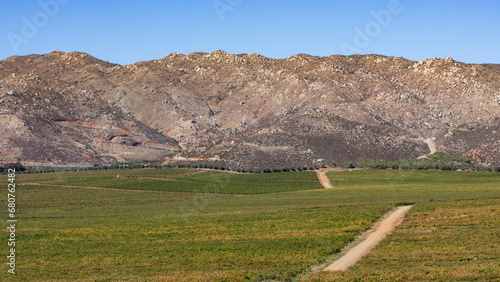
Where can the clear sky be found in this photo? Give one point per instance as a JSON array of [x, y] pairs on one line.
[[127, 31]]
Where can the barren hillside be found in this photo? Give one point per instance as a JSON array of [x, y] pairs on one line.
[[245, 110]]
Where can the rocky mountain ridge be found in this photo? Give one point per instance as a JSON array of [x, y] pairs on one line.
[[245, 110]]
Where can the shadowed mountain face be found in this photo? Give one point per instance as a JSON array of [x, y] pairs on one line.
[[245, 110]]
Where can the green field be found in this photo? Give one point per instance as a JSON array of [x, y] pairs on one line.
[[197, 181], [451, 234], [191, 225]]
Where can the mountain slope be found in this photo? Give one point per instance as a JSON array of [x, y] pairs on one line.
[[47, 118], [246, 110]]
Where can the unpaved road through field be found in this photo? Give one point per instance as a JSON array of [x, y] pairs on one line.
[[382, 228], [323, 179]]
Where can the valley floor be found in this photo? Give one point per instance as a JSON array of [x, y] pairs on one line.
[[195, 225]]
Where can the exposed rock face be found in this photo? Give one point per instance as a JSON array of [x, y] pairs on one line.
[[246, 110], [54, 120]]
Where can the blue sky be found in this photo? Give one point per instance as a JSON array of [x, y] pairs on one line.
[[128, 31]]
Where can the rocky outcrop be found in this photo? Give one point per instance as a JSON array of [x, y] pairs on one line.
[[247, 109]]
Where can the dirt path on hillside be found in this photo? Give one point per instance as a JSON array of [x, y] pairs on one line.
[[432, 147], [371, 239]]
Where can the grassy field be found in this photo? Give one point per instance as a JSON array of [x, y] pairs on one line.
[[450, 241], [184, 180], [210, 225], [454, 236]]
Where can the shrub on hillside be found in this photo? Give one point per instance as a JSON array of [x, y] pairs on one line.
[[440, 156]]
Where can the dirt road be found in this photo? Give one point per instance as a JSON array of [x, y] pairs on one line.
[[432, 147], [382, 228], [323, 179]]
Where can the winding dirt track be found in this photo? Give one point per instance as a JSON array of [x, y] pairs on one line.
[[323, 179], [382, 228], [432, 147]]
